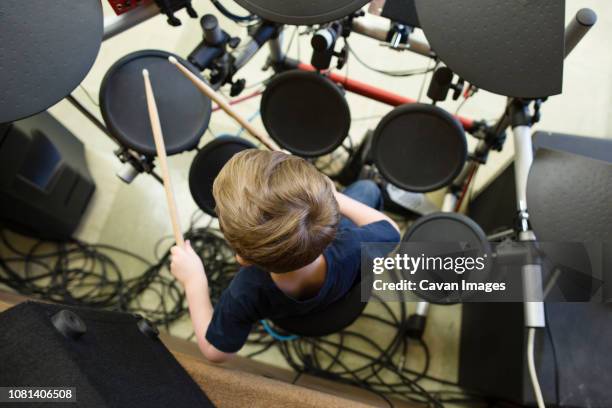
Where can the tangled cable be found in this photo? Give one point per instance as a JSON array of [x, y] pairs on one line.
[[89, 275], [76, 273]]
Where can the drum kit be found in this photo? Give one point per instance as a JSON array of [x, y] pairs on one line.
[[311, 125], [416, 147]]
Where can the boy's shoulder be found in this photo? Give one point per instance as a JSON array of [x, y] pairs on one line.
[[249, 279], [252, 282], [380, 231], [346, 249]]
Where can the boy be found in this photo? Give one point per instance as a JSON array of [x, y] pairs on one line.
[[296, 238]]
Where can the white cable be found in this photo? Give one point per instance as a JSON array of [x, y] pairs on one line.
[[532, 369]]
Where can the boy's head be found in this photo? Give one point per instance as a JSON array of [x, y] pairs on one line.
[[277, 211]]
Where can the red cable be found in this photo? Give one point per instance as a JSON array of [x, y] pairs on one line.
[[465, 188]]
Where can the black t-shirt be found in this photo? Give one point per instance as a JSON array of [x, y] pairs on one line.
[[253, 295]]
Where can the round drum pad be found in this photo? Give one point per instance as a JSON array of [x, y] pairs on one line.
[[419, 147], [183, 110], [300, 12], [446, 235], [208, 164], [47, 48], [305, 113]]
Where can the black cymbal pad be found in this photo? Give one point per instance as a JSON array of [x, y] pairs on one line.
[[46, 49], [513, 47], [300, 12]]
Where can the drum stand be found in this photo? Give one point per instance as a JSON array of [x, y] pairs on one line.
[[212, 53], [133, 163], [521, 120]]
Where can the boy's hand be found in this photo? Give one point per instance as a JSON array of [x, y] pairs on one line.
[[186, 266]]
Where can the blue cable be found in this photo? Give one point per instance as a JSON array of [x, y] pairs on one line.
[[252, 118], [275, 335]]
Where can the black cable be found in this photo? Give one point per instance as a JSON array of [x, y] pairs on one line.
[[555, 361], [91, 98], [376, 371], [77, 273], [234, 17], [83, 274], [406, 73]]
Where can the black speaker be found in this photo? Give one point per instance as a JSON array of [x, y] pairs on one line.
[[109, 359], [493, 353], [45, 185]]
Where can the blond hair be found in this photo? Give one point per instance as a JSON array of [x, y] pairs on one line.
[[277, 211]]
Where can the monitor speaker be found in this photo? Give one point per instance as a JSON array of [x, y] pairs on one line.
[[572, 353], [108, 359], [45, 184]]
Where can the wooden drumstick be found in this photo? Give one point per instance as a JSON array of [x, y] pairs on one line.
[[163, 163], [219, 100]]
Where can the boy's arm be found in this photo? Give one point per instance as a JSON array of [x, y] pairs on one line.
[[187, 267], [360, 213]]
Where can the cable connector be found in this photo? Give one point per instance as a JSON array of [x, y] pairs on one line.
[[415, 326]]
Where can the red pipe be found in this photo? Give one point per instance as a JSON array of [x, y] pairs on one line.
[[378, 94], [238, 100]]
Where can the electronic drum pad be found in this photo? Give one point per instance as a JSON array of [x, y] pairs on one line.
[[302, 12], [419, 147], [446, 235], [183, 110], [305, 113], [513, 48], [47, 48], [208, 164]]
